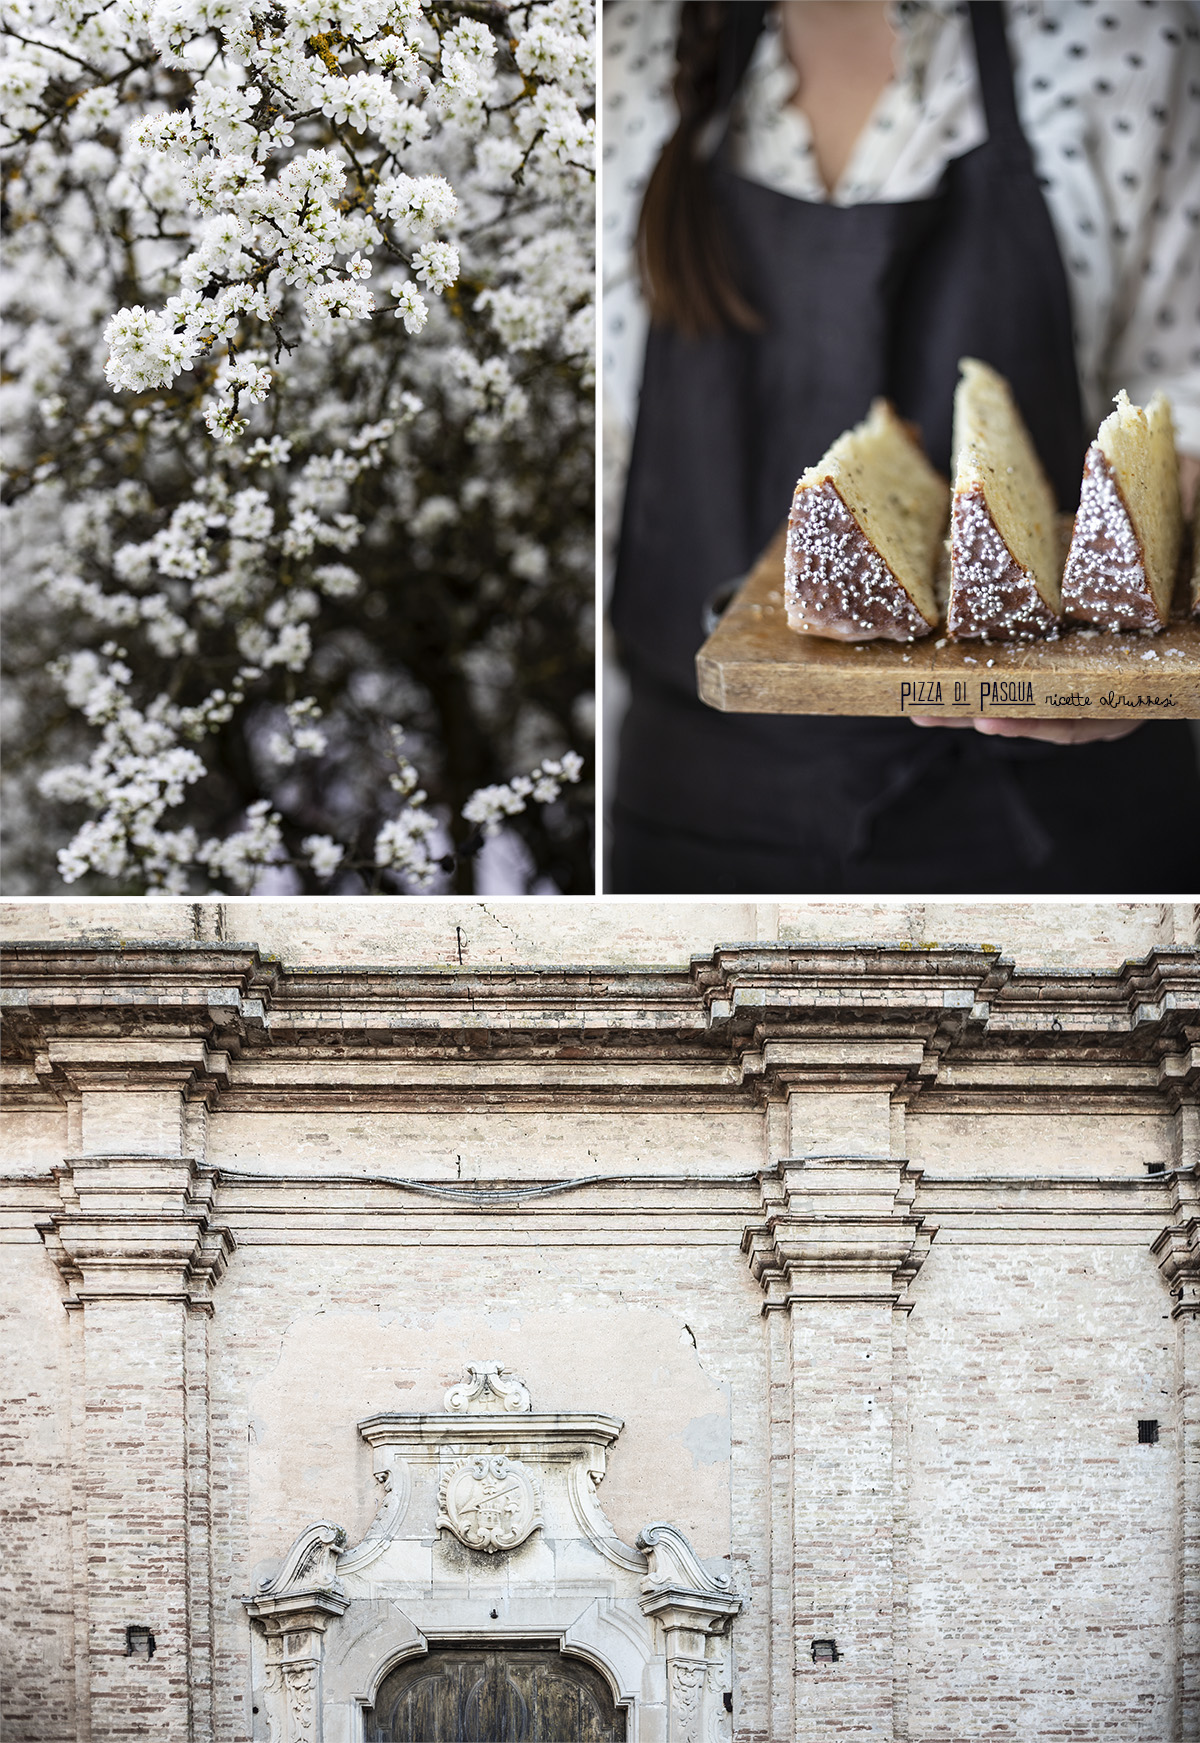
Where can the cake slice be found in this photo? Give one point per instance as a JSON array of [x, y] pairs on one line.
[[1124, 553], [863, 536], [1005, 574]]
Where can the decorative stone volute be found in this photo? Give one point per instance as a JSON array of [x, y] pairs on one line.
[[293, 1608], [487, 1387], [678, 1590]]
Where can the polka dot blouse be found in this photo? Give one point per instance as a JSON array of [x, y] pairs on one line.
[[1108, 93]]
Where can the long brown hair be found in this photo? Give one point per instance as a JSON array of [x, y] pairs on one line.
[[683, 254]]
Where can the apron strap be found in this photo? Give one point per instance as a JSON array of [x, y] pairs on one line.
[[740, 31], [994, 64]]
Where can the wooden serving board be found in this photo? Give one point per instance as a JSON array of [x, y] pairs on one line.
[[753, 663]]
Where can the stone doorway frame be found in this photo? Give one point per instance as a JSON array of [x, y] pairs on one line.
[[335, 1620]]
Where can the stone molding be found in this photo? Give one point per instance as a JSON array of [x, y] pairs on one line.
[[838, 1228], [533, 1434], [138, 1227], [1177, 1248]]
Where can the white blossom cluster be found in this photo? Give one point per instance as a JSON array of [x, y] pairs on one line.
[[299, 324], [489, 806]]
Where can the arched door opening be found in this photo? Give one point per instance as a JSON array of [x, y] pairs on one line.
[[505, 1694]]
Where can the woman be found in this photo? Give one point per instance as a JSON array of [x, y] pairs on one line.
[[849, 204]]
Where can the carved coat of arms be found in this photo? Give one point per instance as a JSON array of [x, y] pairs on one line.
[[489, 1502]]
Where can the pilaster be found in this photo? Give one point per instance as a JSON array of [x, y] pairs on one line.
[[839, 1041], [693, 1611], [836, 1254], [293, 1611], [140, 1249], [1177, 1250]]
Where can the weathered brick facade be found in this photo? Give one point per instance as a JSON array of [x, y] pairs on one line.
[[856, 1257]]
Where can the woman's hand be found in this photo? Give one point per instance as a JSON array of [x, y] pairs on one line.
[[1048, 731]]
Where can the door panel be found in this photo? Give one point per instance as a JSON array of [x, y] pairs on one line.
[[515, 1694]]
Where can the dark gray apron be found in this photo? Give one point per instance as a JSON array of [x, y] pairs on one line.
[[858, 301]]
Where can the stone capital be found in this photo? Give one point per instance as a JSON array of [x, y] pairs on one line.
[[793, 1064], [1177, 1248], [838, 1228], [105, 1062], [138, 1227]]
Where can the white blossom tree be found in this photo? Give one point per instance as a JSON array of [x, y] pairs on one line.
[[299, 480]]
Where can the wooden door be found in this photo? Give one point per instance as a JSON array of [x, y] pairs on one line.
[[511, 1694]]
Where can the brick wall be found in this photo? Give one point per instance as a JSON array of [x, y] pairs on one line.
[[927, 1453]]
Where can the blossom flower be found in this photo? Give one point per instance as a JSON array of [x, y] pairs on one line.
[[324, 854], [411, 307], [240, 857], [436, 265], [403, 845], [144, 351], [423, 204]]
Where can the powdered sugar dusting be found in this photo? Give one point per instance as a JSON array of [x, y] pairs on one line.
[[836, 583], [1105, 581], [991, 595]]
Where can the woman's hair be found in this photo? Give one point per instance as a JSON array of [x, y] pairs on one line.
[[683, 255]]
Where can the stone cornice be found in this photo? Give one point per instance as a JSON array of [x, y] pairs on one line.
[[523, 1434], [955, 1023]]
